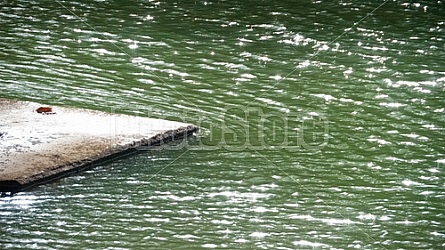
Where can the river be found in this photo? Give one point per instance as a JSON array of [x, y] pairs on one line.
[[322, 122]]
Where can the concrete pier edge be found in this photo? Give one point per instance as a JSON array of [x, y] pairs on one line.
[[15, 186], [55, 172]]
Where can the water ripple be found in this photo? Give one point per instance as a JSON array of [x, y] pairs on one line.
[[221, 65]]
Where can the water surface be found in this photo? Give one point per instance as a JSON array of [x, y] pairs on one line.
[[322, 123]]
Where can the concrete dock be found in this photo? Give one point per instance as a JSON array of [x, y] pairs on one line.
[[37, 147]]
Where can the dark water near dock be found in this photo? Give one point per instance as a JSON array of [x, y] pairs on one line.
[[323, 123]]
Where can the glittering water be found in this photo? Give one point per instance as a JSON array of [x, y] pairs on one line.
[[323, 124]]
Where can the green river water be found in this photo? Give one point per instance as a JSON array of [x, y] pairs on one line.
[[322, 122]]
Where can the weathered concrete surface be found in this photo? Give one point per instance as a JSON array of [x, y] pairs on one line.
[[36, 148]]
